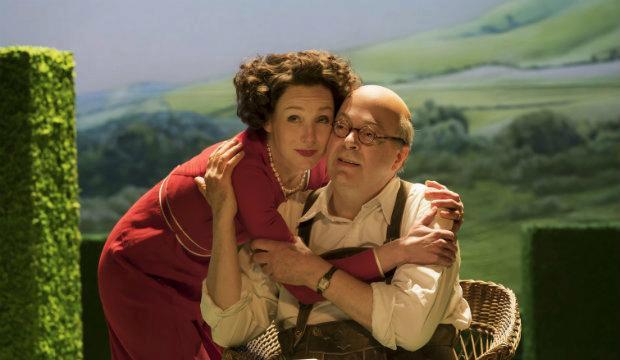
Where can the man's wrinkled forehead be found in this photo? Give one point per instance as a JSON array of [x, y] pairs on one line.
[[360, 110]]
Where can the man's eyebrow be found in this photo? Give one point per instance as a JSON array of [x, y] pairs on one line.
[[364, 122]]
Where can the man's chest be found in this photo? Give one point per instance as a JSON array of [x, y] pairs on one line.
[[366, 230]]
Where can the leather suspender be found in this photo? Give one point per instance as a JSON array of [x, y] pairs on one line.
[[305, 228]]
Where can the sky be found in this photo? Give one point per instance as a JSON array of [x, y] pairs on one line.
[[120, 42]]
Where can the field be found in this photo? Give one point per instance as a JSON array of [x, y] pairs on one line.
[[491, 241], [524, 56]]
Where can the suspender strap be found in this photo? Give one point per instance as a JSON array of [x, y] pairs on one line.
[[302, 321], [392, 232], [305, 227]]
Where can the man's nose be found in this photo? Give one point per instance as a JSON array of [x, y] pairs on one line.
[[351, 141]]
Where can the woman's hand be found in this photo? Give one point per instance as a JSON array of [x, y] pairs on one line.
[[449, 203], [423, 245], [216, 185]]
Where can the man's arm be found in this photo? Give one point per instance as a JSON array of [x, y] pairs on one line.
[[248, 317], [404, 313]]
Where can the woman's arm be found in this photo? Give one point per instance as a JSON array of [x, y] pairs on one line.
[[448, 207], [258, 212], [410, 249], [224, 276]]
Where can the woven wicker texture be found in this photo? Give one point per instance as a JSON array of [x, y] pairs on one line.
[[495, 330], [494, 333]]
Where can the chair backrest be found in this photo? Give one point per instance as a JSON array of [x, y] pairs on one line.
[[494, 333], [495, 330]]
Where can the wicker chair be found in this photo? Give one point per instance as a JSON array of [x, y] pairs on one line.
[[495, 329], [494, 333]]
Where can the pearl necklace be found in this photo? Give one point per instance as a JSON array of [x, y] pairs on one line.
[[286, 191]]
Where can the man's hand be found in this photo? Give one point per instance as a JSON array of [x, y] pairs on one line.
[[449, 202], [426, 246], [288, 263]]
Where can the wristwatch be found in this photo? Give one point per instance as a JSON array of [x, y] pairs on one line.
[[325, 280]]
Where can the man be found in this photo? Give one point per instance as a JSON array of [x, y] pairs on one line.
[[371, 141]]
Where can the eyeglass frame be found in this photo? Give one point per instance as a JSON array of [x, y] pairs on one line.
[[374, 141]]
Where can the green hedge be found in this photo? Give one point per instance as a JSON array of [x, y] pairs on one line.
[[40, 315], [95, 329], [571, 292]]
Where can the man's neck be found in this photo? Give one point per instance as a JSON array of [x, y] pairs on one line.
[[345, 204], [347, 201]]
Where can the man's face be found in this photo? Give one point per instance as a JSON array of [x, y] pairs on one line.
[[367, 168]]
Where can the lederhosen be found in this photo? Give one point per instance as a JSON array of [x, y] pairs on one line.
[[347, 339]]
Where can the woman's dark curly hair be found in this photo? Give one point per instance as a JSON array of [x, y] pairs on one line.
[[262, 80]]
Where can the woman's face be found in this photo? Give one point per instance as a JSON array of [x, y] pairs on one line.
[[299, 127]]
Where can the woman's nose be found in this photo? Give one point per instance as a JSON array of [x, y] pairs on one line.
[[309, 135]]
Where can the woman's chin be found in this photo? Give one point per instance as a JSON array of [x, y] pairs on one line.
[[308, 163]]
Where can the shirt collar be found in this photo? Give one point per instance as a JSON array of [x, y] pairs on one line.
[[385, 200]]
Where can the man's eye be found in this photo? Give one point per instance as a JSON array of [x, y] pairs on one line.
[[368, 134], [339, 126], [293, 118]]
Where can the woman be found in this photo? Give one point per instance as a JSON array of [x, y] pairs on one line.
[[157, 255]]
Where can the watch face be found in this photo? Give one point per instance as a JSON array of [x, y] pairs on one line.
[[323, 284]]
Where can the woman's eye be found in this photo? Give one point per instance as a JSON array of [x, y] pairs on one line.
[[324, 120], [293, 118]]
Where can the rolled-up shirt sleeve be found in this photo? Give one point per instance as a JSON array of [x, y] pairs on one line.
[[251, 315], [406, 312]]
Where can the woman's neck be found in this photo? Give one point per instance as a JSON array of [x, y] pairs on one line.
[[290, 177]]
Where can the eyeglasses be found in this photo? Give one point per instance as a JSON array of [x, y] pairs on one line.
[[366, 133]]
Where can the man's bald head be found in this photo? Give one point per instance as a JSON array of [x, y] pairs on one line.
[[387, 105]]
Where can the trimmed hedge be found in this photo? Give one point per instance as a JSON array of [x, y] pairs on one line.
[[571, 292], [40, 315], [96, 344]]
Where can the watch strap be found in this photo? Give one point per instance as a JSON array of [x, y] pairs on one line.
[[327, 276]]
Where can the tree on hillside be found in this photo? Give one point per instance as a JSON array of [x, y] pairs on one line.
[[140, 149], [440, 128], [543, 132]]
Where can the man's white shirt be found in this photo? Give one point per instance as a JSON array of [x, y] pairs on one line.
[[405, 313]]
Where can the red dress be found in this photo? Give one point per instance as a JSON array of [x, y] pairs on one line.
[[154, 260]]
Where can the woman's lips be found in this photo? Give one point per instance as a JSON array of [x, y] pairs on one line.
[[306, 153]]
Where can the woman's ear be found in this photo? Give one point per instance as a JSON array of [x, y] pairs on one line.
[[268, 125]]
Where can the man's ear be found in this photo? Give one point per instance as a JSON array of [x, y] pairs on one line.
[[401, 157]]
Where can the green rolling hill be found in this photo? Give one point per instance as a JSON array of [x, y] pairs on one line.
[[568, 32], [521, 57], [524, 34]]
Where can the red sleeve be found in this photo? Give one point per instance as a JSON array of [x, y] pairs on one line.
[[362, 266], [318, 175], [258, 201], [190, 215]]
